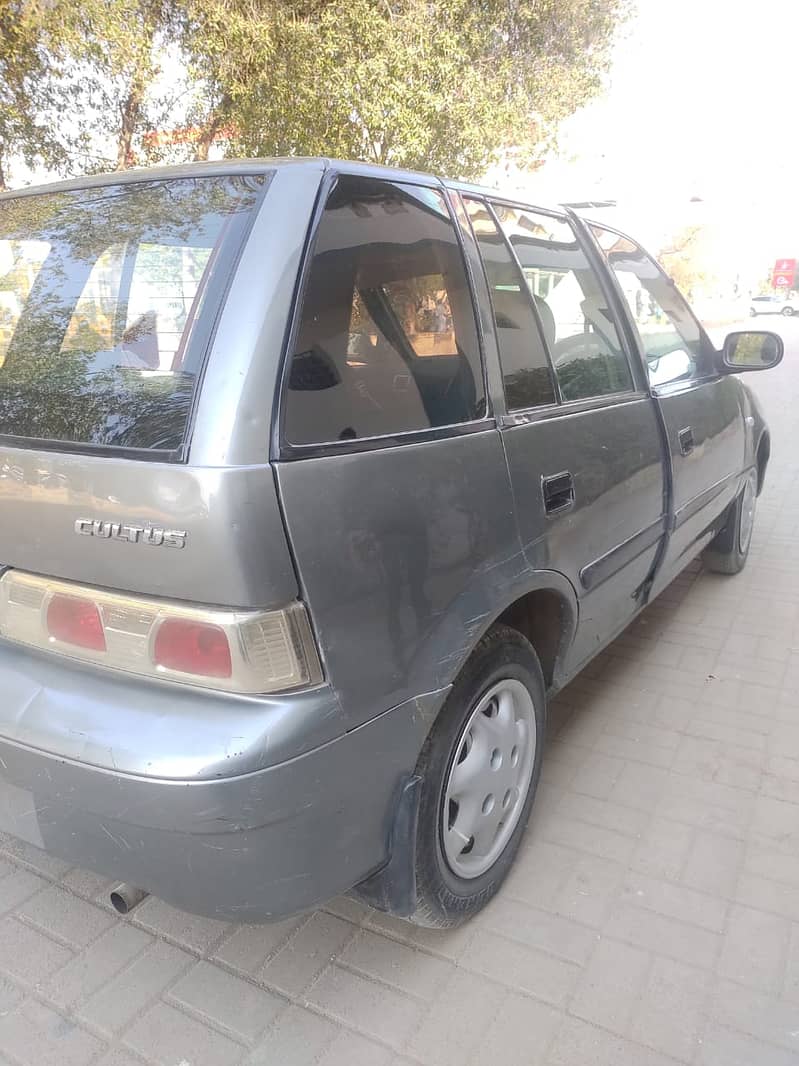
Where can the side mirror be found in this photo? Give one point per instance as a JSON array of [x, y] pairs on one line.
[[751, 351]]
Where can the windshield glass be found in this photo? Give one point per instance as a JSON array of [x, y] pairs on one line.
[[106, 302]]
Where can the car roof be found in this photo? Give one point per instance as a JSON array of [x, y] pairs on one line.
[[262, 166]]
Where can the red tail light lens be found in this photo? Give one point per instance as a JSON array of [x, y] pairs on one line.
[[75, 621], [192, 648]]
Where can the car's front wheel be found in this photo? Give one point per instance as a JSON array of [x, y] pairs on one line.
[[728, 551], [479, 768], [787, 311]]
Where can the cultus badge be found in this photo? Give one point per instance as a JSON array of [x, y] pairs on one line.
[[155, 536]]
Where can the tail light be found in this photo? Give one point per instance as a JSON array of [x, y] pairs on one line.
[[192, 648], [238, 651], [75, 621]]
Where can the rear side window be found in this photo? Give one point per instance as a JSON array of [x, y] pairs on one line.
[[387, 341], [106, 301], [579, 327], [525, 368]]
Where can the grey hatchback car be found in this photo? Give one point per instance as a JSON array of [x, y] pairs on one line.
[[317, 479]]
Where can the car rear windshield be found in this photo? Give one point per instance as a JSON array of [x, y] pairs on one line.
[[107, 300]]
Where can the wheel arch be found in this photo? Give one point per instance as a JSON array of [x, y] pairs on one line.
[[544, 609]]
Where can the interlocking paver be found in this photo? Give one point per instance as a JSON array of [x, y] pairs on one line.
[[370, 1008], [726, 1047], [93, 968], [299, 1037], [550, 933], [611, 1002], [666, 936], [755, 949], [226, 1002], [17, 884], [670, 1014], [663, 848], [713, 864], [414, 972], [294, 967], [189, 931], [38, 1036], [449, 1033], [579, 1043], [249, 947], [764, 1017], [521, 967], [522, 1031], [27, 955], [120, 1000], [168, 1037], [66, 917], [676, 901]]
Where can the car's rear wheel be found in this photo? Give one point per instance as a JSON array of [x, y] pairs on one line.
[[479, 768], [787, 311], [728, 551]]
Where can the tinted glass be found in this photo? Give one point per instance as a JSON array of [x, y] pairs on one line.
[[104, 303], [525, 367], [586, 351], [670, 335], [387, 341]]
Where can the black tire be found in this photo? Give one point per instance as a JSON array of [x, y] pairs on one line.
[[787, 311], [445, 899], [727, 552]]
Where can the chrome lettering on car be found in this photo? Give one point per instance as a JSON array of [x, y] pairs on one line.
[[156, 536]]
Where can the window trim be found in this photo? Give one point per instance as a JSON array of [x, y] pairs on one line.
[[472, 286], [599, 268], [570, 407], [283, 450], [625, 310]]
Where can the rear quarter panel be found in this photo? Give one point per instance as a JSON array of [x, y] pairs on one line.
[[405, 555]]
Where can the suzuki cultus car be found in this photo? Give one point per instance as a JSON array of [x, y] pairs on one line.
[[317, 480]]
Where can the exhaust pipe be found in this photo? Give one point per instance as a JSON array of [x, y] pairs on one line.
[[125, 897]]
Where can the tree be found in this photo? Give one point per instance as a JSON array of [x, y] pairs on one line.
[[31, 59], [433, 84], [119, 48], [437, 84], [686, 260]]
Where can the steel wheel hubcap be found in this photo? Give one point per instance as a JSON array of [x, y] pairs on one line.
[[489, 778], [747, 513]]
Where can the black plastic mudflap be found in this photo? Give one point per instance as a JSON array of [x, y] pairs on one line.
[[393, 887]]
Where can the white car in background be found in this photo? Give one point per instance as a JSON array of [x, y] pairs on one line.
[[774, 305]]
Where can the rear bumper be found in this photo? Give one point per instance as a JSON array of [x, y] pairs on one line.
[[250, 846]]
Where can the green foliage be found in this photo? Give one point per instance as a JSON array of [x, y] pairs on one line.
[[32, 53], [439, 85]]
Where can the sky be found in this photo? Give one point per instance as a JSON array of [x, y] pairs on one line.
[[702, 104]]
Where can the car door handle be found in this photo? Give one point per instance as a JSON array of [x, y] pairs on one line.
[[686, 438], [558, 492]]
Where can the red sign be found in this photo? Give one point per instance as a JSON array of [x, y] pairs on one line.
[[782, 276]]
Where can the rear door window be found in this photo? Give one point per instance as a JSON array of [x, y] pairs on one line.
[[107, 296], [387, 341], [526, 372], [587, 353]]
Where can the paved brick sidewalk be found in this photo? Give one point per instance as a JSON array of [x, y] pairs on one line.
[[653, 917]]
